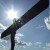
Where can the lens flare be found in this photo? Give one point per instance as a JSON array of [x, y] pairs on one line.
[[12, 14]]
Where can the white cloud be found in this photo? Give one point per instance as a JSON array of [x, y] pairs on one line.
[[48, 44], [18, 37], [2, 26], [49, 5], [19, 34], [2, 40], [2, 47], [23, 44], [49, 13], [47, 22], [29, 44], [17, 40], [37, 43], [44, 47], [39, 26], [0, 35]]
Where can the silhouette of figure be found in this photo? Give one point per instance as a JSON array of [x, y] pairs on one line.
[[33, 12], [13, 34]]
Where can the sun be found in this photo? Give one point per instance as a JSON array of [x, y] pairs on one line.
[[11, 14]]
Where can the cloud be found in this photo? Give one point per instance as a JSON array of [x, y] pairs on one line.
[[2, 47], [17, 40], [48, 44], [39, 26], [44, 47], [23, 44], [29, 44], [20, 35], [47, 22], [37, 43], [49, 12], [49, 5], [1, 40], [40, 44], [2, 26], [17, 37], [0, 35]]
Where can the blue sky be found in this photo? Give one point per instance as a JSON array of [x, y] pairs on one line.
[[36, 31]]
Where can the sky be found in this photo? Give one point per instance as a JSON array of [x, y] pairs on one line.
[[36, 31]]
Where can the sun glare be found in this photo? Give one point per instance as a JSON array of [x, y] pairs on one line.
[[11, 14]]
